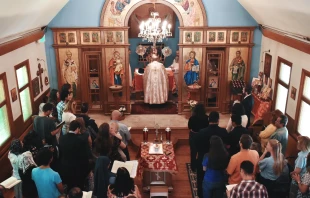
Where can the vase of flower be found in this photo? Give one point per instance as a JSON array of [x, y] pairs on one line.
[[192, 104], [122, 110]]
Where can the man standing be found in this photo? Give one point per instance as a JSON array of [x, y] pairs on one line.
[[48, 182], [248, 188], [65, 96], [281, 134], [74, 153], [233, 169], [202, 142], [45, 127], [123, 130], [235, 135], [247, 103]]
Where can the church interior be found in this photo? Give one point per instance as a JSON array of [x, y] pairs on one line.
[[149, 66]]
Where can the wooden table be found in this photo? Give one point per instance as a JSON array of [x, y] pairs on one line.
[[157, 169]]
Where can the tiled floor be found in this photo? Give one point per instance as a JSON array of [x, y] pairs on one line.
[[149, 120]]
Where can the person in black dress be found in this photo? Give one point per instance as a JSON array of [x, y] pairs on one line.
[[247, 103], [235, 135], [197, 121], [108, 142], [202, 143]]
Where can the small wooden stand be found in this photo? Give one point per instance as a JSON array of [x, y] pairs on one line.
[[116, 90], [193, 94]]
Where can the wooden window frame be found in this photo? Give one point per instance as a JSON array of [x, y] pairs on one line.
[[20, 65], [301, 98], [6, 102], [278, 81]]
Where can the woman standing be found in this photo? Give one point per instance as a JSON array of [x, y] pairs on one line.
[[303, 144], [271, 167], [124, 185], [16, 149], [107, 143], [26, 164], [237, 109], [197, 121], [303, 182], [214, 163], [101, 177], [53, 99]]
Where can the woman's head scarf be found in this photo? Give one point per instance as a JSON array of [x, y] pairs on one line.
[[26, 161]]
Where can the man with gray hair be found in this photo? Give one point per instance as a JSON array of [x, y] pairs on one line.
[[123, 130]]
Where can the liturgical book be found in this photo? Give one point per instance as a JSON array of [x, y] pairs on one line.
[[131, 166], [10, 182], [230, 187]]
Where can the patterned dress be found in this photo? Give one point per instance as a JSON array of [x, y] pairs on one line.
[[305, 180]]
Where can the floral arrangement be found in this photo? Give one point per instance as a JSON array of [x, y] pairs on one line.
[[122, 109], [192, 103]]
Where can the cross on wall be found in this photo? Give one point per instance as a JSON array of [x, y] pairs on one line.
[[39, 74]]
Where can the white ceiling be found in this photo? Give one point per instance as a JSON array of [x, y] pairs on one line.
[[288, 15], [18, 16]]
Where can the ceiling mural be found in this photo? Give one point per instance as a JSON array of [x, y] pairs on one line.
[[117, 10]]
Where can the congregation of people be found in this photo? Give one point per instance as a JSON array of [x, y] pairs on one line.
[[229, 157], [75, 158], [68, 155]]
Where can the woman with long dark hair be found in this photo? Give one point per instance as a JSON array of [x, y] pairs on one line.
[[53, 99], [124, 185], [237, 109], [215, 163], [197, 121], [107, 143]]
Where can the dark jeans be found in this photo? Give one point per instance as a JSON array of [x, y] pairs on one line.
[[200, 175], [269, 184], [213, 189], [193, 150]]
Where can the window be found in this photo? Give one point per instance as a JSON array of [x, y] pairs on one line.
[[303, 105], [282, 84], [23, 87], [5, 111]]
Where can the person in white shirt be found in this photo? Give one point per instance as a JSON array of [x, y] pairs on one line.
[[68, 116], [237, 109], [175, 70]]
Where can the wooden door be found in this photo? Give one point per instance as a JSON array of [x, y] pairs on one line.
[[93, 79], [215, 79]]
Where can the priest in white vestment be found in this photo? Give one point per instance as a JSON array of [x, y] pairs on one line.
[[155, 82]]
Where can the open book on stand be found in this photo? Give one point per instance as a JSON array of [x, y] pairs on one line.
[[10, 182], [131, 166]]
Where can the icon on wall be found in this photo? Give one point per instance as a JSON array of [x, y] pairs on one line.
[[14, 94]]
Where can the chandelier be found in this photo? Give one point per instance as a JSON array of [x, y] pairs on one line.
[[153, 30]]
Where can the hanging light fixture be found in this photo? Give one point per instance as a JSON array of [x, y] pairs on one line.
[[154, 30]]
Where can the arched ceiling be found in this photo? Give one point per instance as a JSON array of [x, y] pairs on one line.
[[17, 16], [287, 15]]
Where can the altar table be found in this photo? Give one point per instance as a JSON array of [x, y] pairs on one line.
[[138, 80], [156, 169]]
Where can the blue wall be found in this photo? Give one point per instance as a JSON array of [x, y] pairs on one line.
[[86, 13]]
